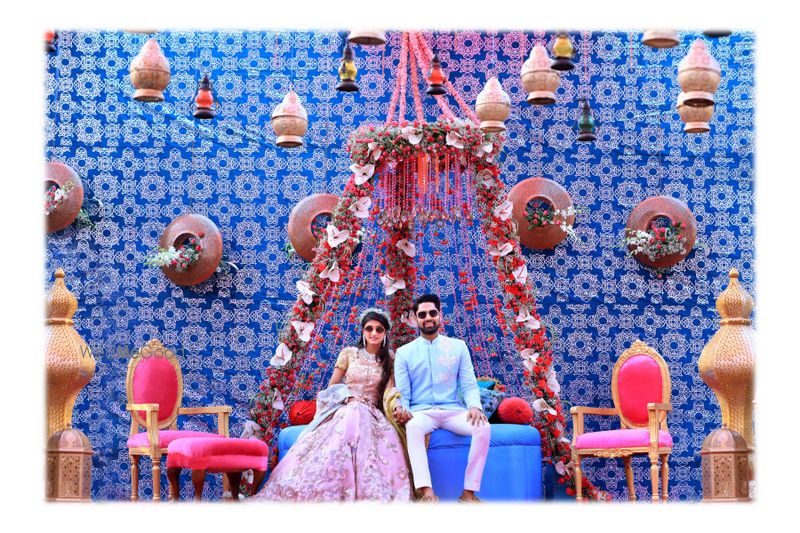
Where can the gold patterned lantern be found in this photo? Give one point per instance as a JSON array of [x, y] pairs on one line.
[[660, 38], [727, 363], [69, 466], [725, 464], [493, 106], [699, 75], [150, 73], [70, 365], [367, 37], [290, 121], [695, 119], [538, 78]]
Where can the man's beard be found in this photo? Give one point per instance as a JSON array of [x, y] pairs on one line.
[[429, 330]]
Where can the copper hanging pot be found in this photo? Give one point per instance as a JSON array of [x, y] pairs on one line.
[[67, 211], [544, 237], [207, 234]]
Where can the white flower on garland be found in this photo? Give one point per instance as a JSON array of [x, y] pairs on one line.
[[483, 150], [408, 248], [527, 319], [486, 178], [410, 319], [374, 149], [306, 294], [331, 272], [362, 172], [412, 134], [335, 236], [562, 468], [541, 405], [521, 274], [277, 402], [454, 139], [391, 285], [529, 357], [504, 210], [552, 381], [251, 430], [282, 355], [502, 251], [360, 207], [303, 329]]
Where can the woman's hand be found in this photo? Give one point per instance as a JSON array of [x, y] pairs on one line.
[[401, 416]]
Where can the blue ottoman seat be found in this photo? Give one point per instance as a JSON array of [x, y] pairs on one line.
[[513, 469]]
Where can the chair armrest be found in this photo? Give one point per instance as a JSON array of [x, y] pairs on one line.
[[223, 413], [141, 407], [604, 411], [151, 422], [659, 407], [656, 418]]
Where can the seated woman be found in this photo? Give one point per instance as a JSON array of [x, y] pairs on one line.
[[349, 451]]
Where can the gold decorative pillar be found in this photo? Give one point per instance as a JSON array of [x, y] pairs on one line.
[[70, 365], [726, 363]]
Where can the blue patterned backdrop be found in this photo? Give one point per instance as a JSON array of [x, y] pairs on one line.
[[148, 163]]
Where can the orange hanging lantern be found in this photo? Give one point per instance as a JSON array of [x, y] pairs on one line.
[[204, 101], [436, 77]]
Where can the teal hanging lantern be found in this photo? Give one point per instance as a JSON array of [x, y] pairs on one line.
[[586, 125]]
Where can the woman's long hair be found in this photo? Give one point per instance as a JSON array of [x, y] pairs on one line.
[[383, 357]]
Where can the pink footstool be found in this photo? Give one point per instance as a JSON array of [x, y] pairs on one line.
[[229, 456]]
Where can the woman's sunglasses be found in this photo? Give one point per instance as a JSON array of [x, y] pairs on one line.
[[376, 329], [433, 313]]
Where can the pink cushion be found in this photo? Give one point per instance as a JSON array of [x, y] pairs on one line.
[[621, 438], [639, 383], [165, 437], [155, 381], [218, 455]]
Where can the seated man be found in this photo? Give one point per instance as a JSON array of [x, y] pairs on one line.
[[427, 372]]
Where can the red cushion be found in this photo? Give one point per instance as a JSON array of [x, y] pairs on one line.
[[165, 437], [302, 412], [514, 411], [155, 381], [218, 455], [621, 438], [639, 383]]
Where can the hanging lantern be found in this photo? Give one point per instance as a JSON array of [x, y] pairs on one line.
[[347, 71], [699, 75], [696, 119], [436, 77], [204, 101], [367, 37], [150, 73], [493, 106], [50, 37], [538, 78], [563, 51], [586, 125], [716, 34], [660, 38], [289, 121]]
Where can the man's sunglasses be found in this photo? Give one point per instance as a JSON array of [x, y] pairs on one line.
[[377, 329], [422, 314]]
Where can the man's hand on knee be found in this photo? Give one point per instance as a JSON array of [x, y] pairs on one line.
[[476, 417]]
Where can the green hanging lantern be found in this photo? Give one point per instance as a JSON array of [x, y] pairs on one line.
[[586, 125]]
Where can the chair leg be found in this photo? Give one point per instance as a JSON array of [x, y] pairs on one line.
[[664, 476], [578, 478], [654, 475], [157, 479], [629, 477], [234, 479], [198, 480], [134, 477], [174, 477], [258, 477]]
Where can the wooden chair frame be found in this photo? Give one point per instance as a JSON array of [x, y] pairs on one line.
[[154, 348], [657, 420]]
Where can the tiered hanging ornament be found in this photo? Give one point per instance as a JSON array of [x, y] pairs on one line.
[[367, 37], [436, 78], [563, 52], [50, 37], [347, 71], [204, 101], [150, 73], [699, 75], [661, 38], [539, 80], [289, 121], [406, 174], [493, 106], [695, 119]]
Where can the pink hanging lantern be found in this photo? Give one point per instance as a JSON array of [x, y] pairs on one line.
[[289, 121], [695, 119], [538, 78], [660, 38], [150, 73], [699, 75], [493, 106]]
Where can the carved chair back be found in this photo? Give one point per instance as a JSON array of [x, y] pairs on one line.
[[154, 376], [640, 376]]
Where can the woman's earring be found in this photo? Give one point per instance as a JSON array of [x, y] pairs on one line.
[[384, 341], [364, 338]]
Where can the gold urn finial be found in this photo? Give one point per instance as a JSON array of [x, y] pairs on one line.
[[734, 304], [61, 303]]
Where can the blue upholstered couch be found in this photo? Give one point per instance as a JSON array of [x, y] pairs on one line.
[[513, 469]]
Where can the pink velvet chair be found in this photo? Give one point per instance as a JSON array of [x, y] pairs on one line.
[[154, 387], [641, 389]]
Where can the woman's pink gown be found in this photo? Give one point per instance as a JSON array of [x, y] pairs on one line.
[[354, 455]]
